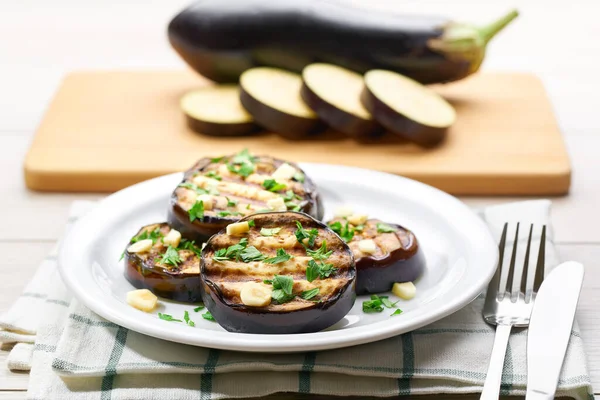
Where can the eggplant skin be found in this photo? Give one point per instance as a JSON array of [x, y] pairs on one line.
[[360, 129], [170, 284], [320, 315], [220, 39], [201, 230], [423, 135], [216, 129]]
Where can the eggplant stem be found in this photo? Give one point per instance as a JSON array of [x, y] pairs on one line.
[[489, 31]]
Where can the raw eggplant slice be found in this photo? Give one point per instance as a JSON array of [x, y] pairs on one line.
[[273, 98], [406, 107], [384, 253], [258, 278], [217, 111], [168, 270], [333, 92], [234, 186]]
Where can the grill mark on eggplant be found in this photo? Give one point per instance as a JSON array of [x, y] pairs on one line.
[[226, 277]]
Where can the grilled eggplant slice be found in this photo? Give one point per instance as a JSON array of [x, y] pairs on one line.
[[217, 192], [159, 260], [277, 273], [384, 253]]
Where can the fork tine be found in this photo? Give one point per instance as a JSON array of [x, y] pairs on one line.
[[525, 272], [511, 270], [495, 283], [540, 267]]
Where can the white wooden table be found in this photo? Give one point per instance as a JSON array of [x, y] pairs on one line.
[[42, 40]]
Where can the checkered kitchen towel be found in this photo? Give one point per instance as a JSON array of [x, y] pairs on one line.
[[74, 354]]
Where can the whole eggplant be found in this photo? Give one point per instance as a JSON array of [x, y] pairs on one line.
[[220, 39]]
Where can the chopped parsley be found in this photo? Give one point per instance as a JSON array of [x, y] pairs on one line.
[[171, 257], [251, 223], [316, 270], [186, 318], [242, 163], [385, 228], [214, 175], [197, 211], [167, 317], [185, 244], [232, 252], [345, 231], [251, 254], [397, 312], [194, 187], [268, 281], [321, 253], [244, 170], [208, 316], [290, 195], [154, 235], [272, 185], [227, 213], [302, 234], [299, 176], [377, 303], [281, 257], [216, 159], [309, 294], [199, 308], [282, 288], [231, 203], [290, 205], [244, 156], [269, 232]]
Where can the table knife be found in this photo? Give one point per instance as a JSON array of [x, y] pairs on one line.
[[550, 329]]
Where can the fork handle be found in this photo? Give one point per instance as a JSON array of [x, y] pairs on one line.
[[493, 379]]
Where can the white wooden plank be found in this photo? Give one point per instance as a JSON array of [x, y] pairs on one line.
[[13, 395]]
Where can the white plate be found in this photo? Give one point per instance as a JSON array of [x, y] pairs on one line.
[[460, 252]]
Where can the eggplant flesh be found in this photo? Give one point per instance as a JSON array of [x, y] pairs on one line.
[[399, 257], [177, 282], [222, 39], [222, 280], [235, 196]]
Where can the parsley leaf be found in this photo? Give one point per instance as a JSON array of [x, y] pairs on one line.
[[385, 228], [199, 308], [154, 234], [231, 203], [251, 254], [268, 281], [194, 187], [282, 288], [226, 213], [321, 253], [232, 252], [197, 211], [244, 156], [185, 244], [208, 316], [171, 257], [214, 175], [386, 302], [309, 294], [242, 163], [251, 223], [216, 159], [272, 186], [186, 318], [397, 312], [318, 270], [372, 306], [299, 176], [167, 317], [290, 205], [302, 234], [269, 232], [290, 195], [281, 257], [122, 255], [346, 232]]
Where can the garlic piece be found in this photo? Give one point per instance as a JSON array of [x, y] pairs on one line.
[[277, 204], [207, 200], [238, 228], [285, 171], [404, 290], [255, 294], [367, 246], [140, 247], [172, 238], [142, 299], [357, 219], [343, 211]]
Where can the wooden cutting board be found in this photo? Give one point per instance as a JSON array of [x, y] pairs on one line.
[[107, 130]]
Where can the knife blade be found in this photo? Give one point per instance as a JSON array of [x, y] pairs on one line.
[[550, 328]]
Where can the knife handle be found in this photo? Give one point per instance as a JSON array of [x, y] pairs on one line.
[[493, 379]]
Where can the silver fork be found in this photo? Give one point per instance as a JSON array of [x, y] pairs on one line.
[[510, 305]]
